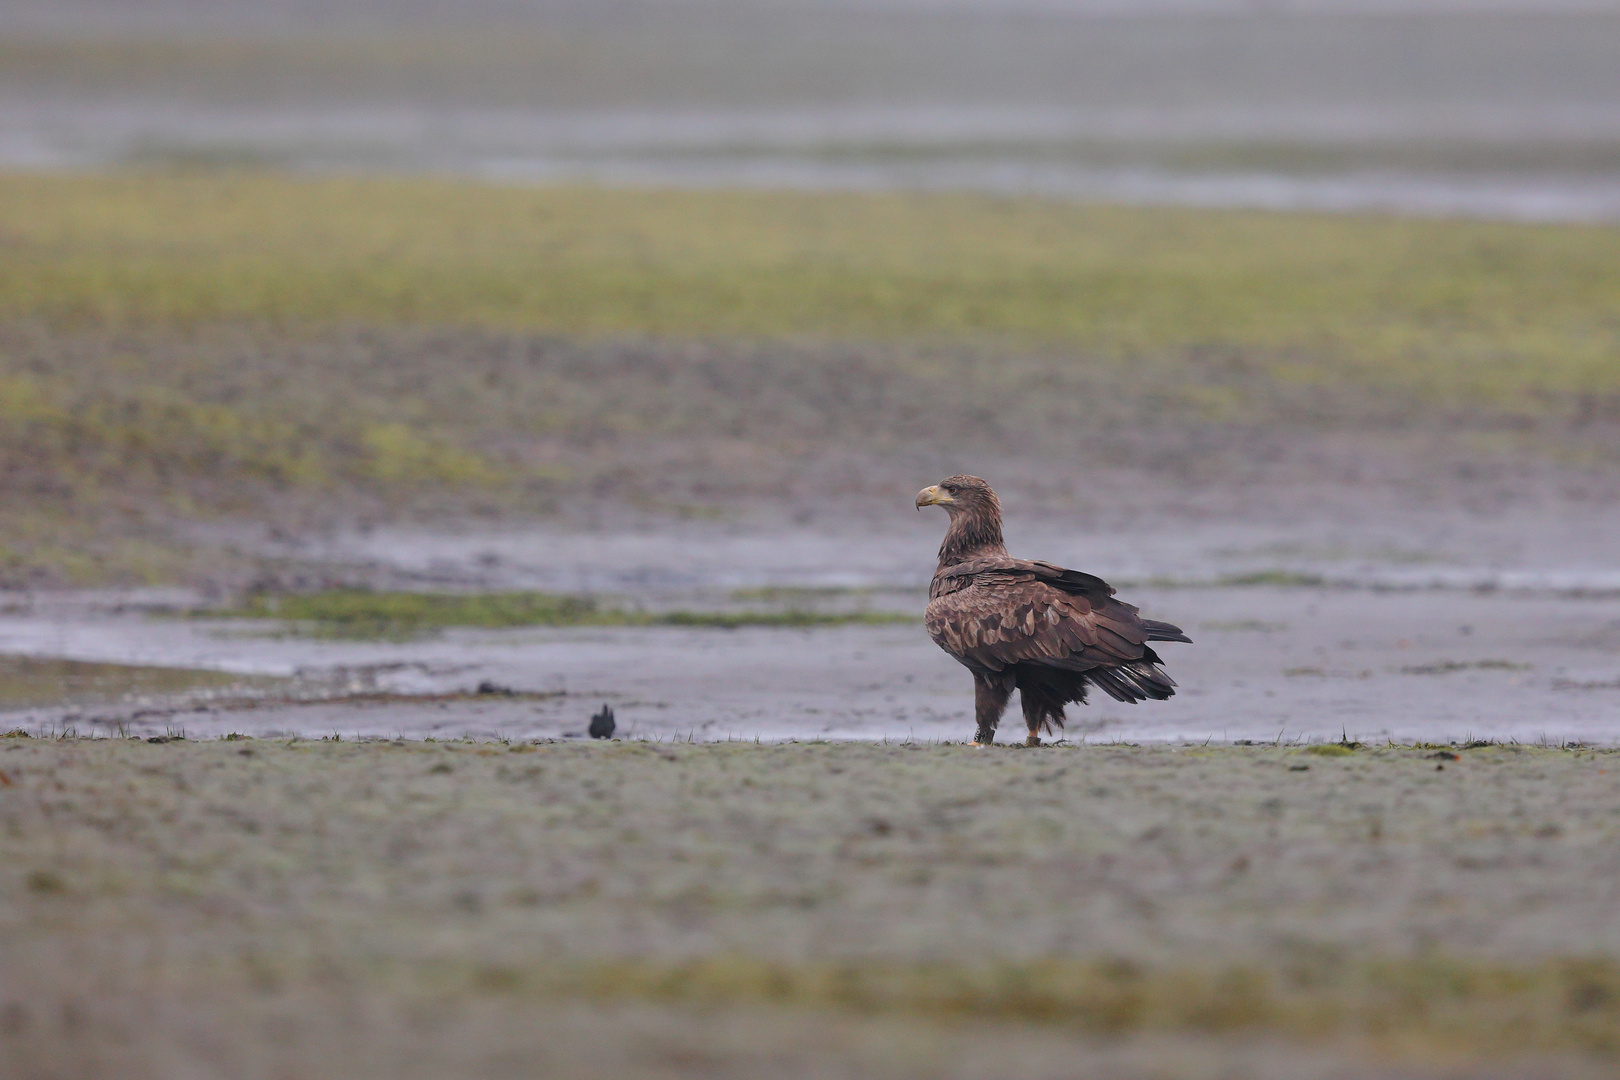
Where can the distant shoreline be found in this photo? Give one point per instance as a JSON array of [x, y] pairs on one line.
[[1500, 112]]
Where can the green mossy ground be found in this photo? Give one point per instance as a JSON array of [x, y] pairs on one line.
[[185, 346], [1455, 310]]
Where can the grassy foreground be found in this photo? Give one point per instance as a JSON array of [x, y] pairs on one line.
[[1434, 911]]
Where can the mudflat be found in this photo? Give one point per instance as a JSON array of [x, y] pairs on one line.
[[269, 908]]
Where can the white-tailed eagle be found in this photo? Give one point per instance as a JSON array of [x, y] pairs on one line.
[[1033, 626]]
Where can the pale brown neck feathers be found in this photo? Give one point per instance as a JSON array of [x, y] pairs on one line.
[[975, 532]]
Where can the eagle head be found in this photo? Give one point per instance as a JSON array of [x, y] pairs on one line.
[[960, 494], [975, 527]]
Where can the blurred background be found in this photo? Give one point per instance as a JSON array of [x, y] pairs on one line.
[[1503, 109], [673, 306]]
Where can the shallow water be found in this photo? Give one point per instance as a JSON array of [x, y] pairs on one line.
[[1452, 630], [779, 151], [1267, 663]]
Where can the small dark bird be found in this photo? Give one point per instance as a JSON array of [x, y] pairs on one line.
[[602, 723], [1031, 626]]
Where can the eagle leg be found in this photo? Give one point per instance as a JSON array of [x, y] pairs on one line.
[[1043, 702], [990, 694]]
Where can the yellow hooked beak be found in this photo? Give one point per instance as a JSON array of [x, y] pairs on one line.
[[933, 496]]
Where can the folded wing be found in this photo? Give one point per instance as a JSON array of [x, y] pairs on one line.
[[995, 613]]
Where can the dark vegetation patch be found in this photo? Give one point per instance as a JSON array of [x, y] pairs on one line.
[[362, 614], [28, 681], [1588, 684], [1285, 578], [1443, 1001], [1446, 667]]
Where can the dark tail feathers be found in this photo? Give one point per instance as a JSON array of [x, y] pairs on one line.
[[1140, 680], [1163, 631]]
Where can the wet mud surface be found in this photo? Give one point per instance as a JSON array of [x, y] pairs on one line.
[[265, 908]]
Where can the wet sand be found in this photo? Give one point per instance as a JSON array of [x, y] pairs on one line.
[[256, 908]]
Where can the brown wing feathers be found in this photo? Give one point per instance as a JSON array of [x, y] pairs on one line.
[[999, 617]]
